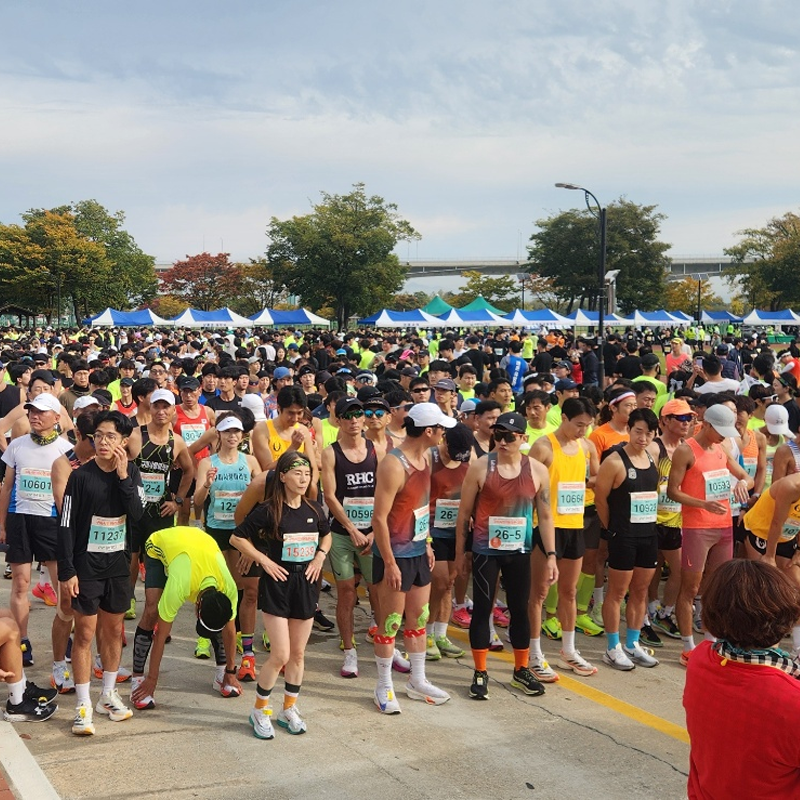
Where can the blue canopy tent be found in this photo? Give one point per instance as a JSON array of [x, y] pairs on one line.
[[485, 318], [221, 318], [718, 317], [785, 317], [402, 319], [298, 316], [537, 319], [660, 317], [111, 318], [682, 316]]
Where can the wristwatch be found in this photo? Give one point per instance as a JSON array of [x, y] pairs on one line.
[[551, 553], [178, 500]]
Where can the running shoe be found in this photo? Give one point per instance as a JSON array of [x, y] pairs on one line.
[[641, 656], [667, 625], [61, 680], [461, 618], [45, 593], [585, 624], [321, 623], [500, 604], [650, 637], [469, 604], [82, 725], [110, 704], [479, 689], [551, 628], [290, 719], [431, 650], [145, 703], [27, 653], [542, 671], [577, 663], [495, 645], [400, 663], [500, 618], [597, 614], [618, 659], [131, 612], [386, 701], [265, 642], [247, 672], [524, 680], [122, 673], [685, 658], [325, 587], [260, 720], [697, 623], [7, 572], [350, 667], [353, 640], [225, 690], [202, 648], [68, 656], [28, 711], [447, 648], [432, 695], [39, 693], [239, 645], [371, 633]]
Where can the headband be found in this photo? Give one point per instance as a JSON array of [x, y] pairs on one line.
[[298, 462], [622, 397]]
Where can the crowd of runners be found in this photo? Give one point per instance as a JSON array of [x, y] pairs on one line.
[[481, 481]]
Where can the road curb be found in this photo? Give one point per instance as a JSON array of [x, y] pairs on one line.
[[28, 781]]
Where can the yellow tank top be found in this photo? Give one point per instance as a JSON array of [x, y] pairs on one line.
[[277, 444], [567, 485], [330, 433], [758, 519]]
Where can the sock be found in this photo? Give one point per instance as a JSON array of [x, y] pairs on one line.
[[631, 637], [667, 612], [262, 696], [290, 693], [479, 657], [612, 639], [439, 629], [430, 630], [536, 649], [688, 643], [652, 608], [551, 601], [709, 637], [44, 576], [82, 694], [585, 589], [247, 643], [568, 641], [219, 649], [417, 667], [109, 681], [796, 637], [219, 673], [142, 642], [646, 620], [384, 672], [597, 594], [521, 657], [16, 692]]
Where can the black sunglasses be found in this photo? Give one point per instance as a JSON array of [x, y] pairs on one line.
[[504, 436], [682, 417], [420, 389], [378, 413], [355, 414]]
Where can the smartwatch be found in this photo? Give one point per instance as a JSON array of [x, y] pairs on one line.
[[178, 500]]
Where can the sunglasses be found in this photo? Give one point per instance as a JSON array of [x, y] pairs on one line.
[[406, 407], [504, 436], [420, 389], [682, 417], [378, 413], [356, 414]]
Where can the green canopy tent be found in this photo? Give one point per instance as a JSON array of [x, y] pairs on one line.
[[437, 306], [480, 303]]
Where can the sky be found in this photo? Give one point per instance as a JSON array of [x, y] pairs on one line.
[[202, 120]]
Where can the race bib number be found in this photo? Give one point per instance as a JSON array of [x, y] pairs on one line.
[[665, 505], [359, 511], [445, 514], [154, 485], [718, 484], [570, 497], [422, 526], [790, 529], [35, 484], [644, 507], [299, 547], [106, 534], [750, 466], [225, 505], [191, 433], [507, 533]]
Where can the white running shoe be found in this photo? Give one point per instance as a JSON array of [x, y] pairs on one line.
[[542, 670], [62, 679], [148, 701], [224, 689], [617, 658], [432, 695], [641, 656], [597, 614], [350, 666], [290, 719], [110, 704], [82, 725], [386, 701], [399, 663], [577, 663], [261, 721]]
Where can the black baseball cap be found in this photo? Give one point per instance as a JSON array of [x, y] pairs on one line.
[[511, 421], [348, 404]]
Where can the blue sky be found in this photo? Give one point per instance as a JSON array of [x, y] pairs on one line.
[[202, 120]]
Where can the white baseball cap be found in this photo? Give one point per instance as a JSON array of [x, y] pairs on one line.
[[45, 402], [254, 403], [162, 394], [427, 415], [84, 402], [722, 420], [230, 423], [776, 418]]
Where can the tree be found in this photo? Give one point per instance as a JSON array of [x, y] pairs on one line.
[[403, 301], [682, 296], [767, 263], [502, 292], [340, 255], [259, 288], [204, 281], [566, 248]]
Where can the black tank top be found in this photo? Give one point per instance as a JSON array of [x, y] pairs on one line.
[[155, 459], [622, 507], [354, 480]]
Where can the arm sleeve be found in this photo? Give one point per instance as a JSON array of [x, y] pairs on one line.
[[65, 545], [178, 588], [132, 492]]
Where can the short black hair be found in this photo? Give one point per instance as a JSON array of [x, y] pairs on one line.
[[121, 423]]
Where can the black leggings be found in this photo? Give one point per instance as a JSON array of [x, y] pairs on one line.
[[516, 570]]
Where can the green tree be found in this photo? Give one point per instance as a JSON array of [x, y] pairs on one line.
[[204, 281], [404, 301], [566, 248], [340, 255], [766, 263], [682, 296], [502, 292], [258, 288]]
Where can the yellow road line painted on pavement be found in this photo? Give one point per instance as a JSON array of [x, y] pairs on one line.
[[596, 696]]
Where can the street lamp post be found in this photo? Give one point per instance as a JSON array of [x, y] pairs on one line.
[[601, 275]]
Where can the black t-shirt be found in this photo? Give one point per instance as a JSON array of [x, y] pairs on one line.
[[629, 367], [218, 404], [542, 362], [610, 353], [10, 398]]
